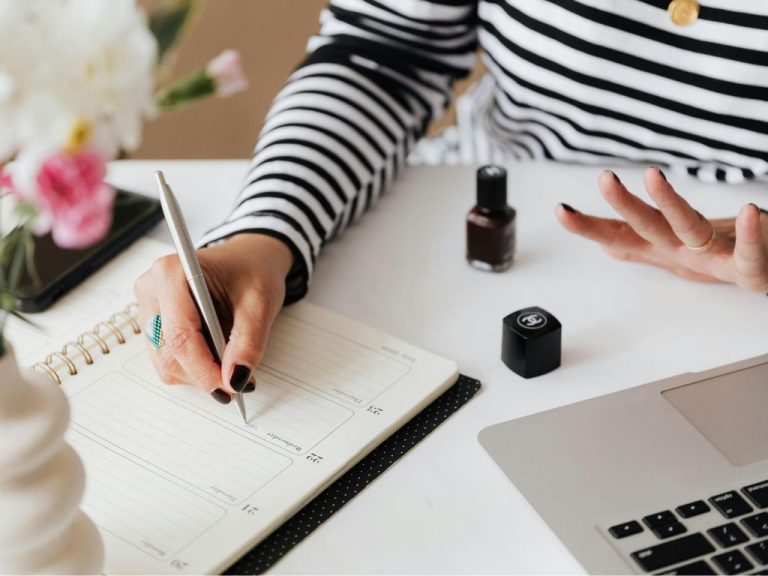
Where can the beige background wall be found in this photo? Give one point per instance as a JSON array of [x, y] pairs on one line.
[[271, 36]]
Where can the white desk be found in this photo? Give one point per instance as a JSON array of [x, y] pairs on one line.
[[445, 507]]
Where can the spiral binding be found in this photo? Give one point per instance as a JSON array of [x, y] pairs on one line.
[[114, 327]]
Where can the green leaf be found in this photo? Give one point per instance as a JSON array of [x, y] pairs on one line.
[[26, 320], [169, 21], [30, 256]]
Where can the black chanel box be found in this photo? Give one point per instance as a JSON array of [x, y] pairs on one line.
[[531, 342]]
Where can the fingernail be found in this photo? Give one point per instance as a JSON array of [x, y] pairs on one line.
[[250, 387], [618, 181], [568, 208], [661, 174], [221, 396], [239, 378], [761, 210]]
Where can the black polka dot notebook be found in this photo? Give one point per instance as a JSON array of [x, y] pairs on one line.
[[301, 524]]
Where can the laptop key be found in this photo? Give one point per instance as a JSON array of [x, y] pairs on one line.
[[758, 493], [728, 535], [674, 529], [659, 519], [733, 562], [698, 567], [757, 524], [730, 504], [759, 551], [672, 552], [626, 529], [693, 509]]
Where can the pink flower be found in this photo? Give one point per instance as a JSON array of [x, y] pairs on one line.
[[6, 183], [74, 202], [227, 73]]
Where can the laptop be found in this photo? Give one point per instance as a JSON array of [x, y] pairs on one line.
[[667, 478]]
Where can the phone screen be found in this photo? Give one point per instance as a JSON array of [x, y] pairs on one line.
[[59, 269]]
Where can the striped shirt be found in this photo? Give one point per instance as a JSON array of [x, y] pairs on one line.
[[589, 81]]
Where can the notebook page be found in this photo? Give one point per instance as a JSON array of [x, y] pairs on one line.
[[177, 483], [81, 309]]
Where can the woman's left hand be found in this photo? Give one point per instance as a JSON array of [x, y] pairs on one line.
[[675, 236]]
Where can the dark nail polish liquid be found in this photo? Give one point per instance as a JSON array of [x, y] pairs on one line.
[[491, 223]]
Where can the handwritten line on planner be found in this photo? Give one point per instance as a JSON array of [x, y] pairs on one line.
[[290, 396], [149, 433], [270, 404], [108, 495]]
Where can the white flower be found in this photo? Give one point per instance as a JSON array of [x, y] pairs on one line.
[[63, 62]]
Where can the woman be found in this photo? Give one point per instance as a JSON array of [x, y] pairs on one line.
[[602, 82]]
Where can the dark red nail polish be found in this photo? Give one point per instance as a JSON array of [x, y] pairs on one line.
[[616, 178], [240, 377], [221, 396], [568, 208], [662, 174], [491, 222], [250, 387]]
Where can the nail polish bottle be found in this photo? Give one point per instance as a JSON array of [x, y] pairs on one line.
[[491, 223]]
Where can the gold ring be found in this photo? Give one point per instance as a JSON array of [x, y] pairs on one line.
[[706, 246]]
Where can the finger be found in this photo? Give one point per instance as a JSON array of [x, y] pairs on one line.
[[750, 257], [250, 332], [647, 258], [647, 221], [614, 234], [165, 365], [688, 224], [182, 329]]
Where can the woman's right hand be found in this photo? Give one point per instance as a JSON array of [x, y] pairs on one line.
[[246, 278]]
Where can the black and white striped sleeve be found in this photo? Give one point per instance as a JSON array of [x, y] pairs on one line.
[[341, 128]]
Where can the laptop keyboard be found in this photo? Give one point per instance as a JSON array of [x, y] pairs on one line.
[[726, 534]]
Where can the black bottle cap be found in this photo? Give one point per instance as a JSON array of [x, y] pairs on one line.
[[492, 187], [531, 342]]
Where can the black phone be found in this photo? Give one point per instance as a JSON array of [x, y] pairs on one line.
[[60, 269]]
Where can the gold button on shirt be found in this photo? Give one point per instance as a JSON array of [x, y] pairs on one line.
[[684, 12]]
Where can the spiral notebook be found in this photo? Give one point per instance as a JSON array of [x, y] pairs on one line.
[[175, 481]]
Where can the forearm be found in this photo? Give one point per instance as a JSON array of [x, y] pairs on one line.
[[340, 130]]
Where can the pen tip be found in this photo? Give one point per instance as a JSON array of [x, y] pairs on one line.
[[160, 177]]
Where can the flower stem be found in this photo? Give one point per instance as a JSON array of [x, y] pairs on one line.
[[196, 85]]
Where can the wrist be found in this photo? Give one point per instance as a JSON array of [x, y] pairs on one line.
[[260, 252]]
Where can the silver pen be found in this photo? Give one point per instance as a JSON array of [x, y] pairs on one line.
[[194, 274]]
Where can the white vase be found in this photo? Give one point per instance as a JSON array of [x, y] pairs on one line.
[[42, 529]]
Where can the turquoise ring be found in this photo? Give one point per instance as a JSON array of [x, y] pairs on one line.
[[154, 331]]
